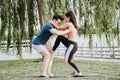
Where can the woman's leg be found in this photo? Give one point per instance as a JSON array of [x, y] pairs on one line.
[[59, 39], [68, 57]]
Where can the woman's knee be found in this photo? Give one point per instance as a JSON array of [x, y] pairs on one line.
[[66, 61]]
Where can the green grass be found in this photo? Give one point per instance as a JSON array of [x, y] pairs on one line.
[[16, 69]]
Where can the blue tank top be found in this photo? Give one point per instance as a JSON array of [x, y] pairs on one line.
[[43, 35]]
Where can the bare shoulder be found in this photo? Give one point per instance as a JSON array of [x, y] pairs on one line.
[[70, 25]]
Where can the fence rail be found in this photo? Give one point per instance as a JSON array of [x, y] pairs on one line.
[[101, 52], [25, 43], [3, 46]]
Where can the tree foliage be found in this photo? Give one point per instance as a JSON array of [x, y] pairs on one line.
[[17, 21], [18, 18]]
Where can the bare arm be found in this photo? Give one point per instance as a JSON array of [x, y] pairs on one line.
[[59, 32], [63, 27]]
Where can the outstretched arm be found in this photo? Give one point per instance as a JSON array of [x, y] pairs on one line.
[[59, 32]]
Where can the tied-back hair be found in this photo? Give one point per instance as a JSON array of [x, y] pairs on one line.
[[72, 18]]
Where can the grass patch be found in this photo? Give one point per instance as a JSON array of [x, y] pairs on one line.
[[12, 70]]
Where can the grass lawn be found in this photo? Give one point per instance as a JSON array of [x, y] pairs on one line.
[[18, 69]]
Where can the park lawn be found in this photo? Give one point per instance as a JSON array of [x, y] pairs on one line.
[[20, 69]]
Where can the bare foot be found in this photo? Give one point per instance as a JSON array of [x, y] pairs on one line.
[[51, 75], [44, 75]]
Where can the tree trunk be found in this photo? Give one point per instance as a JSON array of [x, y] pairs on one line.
[[41, 17], [41, 13]]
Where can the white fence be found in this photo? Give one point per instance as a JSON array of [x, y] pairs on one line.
[[96, 52], [100, 48]]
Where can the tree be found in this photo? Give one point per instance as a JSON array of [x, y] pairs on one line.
[[17, 22], [18, 18], [41, 12]]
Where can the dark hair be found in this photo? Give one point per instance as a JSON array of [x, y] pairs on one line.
[[56, 17], [72, 18]]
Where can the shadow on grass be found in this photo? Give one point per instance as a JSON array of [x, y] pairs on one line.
[[57, 76]]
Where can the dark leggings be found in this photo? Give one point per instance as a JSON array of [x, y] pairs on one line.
[[71, 49], [59, 39]]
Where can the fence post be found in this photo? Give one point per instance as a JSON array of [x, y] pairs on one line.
[[113, 53], [101, 52]]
